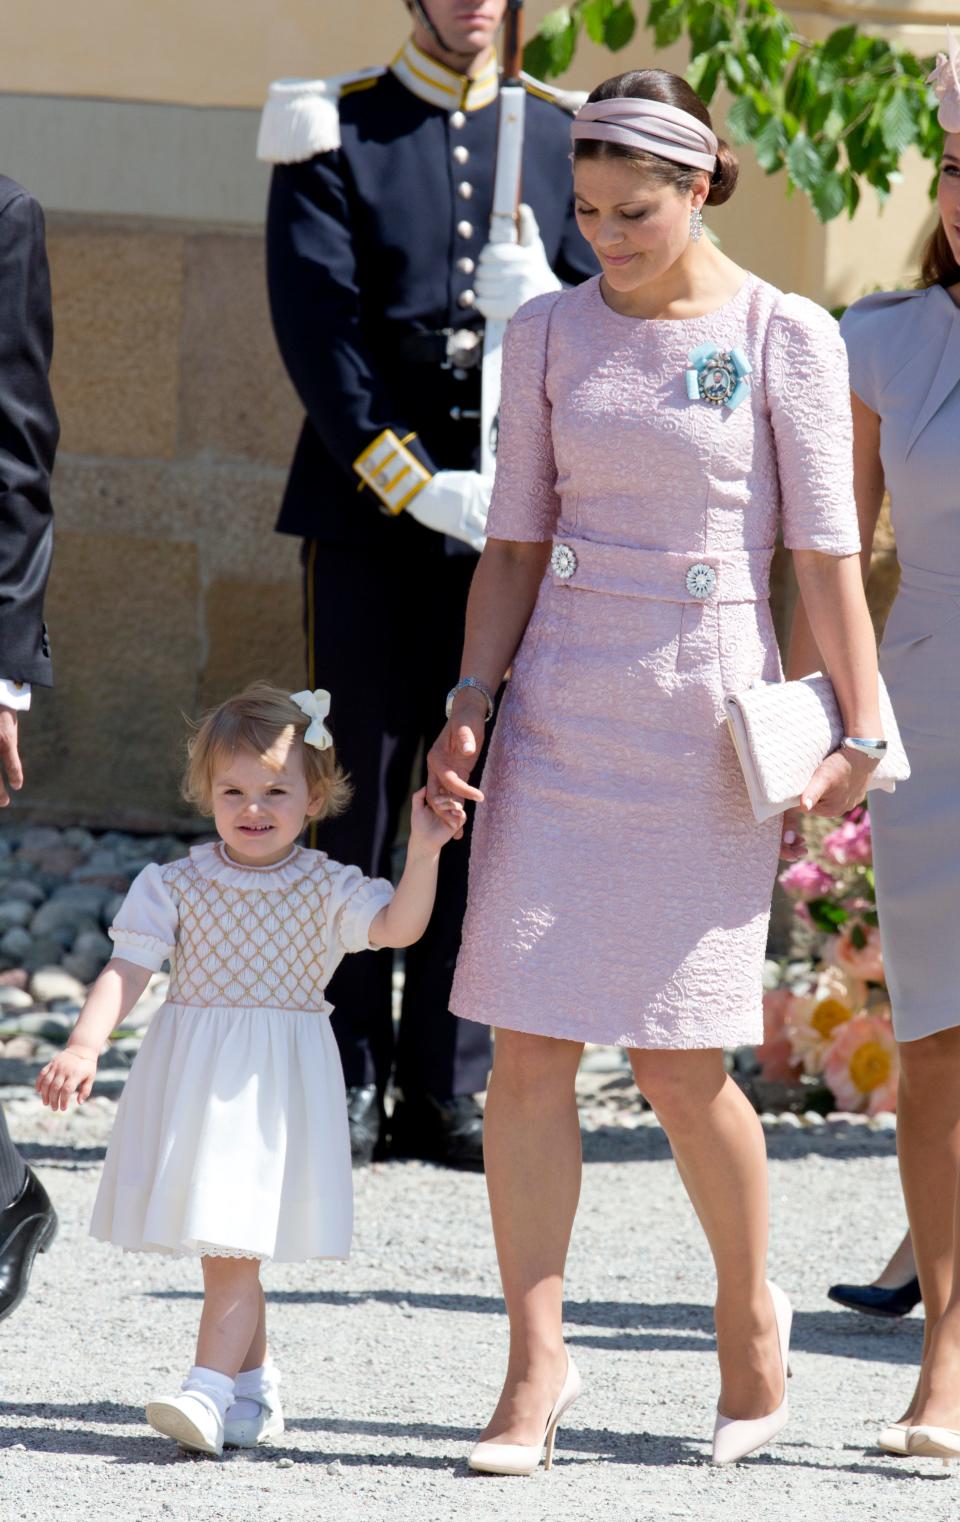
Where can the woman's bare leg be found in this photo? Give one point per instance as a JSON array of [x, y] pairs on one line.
[[901, 1267], [718, 1145], [531, 1148], [928, 1143]]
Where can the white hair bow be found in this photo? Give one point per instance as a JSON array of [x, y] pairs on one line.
[[945, 80], [316, 706]]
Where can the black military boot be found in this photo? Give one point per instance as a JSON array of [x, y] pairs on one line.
[[447, 1131], [27, 1226], [365, 1117]]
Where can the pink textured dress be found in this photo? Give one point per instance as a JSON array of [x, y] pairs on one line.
[[620, 887]]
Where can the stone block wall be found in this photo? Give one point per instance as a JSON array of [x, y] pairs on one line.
[[170, 588]]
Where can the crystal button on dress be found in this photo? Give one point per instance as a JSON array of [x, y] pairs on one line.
[[701, 580], [564, 561]]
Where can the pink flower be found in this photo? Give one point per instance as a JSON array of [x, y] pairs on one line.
[[865, 961], [850, 844], [861, 1066], [813, 1020], [777, 1061], [807, 880]]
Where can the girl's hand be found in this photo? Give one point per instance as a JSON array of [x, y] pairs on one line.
[[793, 847], [72, 1071], [431, 828], [838, 784]]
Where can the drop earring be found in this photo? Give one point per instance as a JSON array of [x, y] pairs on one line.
[[696, 224]]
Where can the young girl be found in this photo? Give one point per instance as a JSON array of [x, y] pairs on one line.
[[231, 1138]]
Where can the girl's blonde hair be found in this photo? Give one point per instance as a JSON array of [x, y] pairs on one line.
[[255, 721]]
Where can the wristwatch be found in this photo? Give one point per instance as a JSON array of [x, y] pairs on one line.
[[471, 681], [872, 749]]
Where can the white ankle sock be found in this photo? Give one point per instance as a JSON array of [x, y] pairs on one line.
[[217, 1387], [249, 1384]]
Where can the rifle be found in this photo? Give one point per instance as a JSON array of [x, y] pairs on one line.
[[503, 218]]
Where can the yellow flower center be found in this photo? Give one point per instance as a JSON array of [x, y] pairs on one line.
[[870, 1066], [828, 1014]]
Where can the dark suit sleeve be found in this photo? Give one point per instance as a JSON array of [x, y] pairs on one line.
[[315, 304], [28, 439]]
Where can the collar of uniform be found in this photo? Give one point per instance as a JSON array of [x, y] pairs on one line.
[[434, 82]]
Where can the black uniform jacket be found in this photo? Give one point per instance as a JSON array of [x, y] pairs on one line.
[[371, 251], [28, 437]]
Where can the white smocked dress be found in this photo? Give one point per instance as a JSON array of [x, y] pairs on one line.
[[231, 1136]]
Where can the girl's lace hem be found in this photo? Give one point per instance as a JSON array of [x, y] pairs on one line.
[[198, 1250]]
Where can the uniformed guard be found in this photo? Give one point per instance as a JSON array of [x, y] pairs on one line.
[[379, 276]]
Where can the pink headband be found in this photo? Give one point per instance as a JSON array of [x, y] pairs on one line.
[[664, 130], [946, 85]]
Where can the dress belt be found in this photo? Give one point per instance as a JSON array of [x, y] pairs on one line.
[[919, 580], [664, 575]]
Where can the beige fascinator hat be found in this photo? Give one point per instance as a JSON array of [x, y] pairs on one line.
[[945, 80]]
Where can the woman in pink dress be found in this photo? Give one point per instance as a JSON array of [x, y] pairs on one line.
[[658, 425]]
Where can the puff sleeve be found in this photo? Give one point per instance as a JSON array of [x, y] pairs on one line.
[[145, 928], [808, 394], [355, 902], [525, 506]]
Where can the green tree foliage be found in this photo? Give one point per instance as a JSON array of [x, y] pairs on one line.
[[835, 115]]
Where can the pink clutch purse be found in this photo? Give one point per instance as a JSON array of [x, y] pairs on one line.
[[783, 730]]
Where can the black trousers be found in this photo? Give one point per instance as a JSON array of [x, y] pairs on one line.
[[13, 1169], [384, 637]]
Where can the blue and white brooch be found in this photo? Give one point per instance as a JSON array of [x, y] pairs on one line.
[[717, 376]]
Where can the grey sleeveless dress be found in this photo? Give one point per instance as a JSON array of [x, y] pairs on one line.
[[904, 352]]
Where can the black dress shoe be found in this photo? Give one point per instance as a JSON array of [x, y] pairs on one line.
[[447, 1131], [871, 1300], [365, 1118], [27, 1226]]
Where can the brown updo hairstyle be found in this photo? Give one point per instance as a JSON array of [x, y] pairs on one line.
[[938, 266], [669, 90]]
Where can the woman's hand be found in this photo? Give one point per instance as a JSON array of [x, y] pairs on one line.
[[453, 756], [793, 847], [72, 1071], [838, 784]]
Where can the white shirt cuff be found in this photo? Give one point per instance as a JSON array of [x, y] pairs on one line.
[[14, 695]]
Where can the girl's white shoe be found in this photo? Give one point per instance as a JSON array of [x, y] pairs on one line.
[[191, 1418], [732, 1439], [248, 1431], [520, 1458]]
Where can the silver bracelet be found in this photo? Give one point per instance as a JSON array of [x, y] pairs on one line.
[[471, 681], [872, 749]]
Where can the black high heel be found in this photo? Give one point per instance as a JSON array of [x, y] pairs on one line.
[[871, 1300]]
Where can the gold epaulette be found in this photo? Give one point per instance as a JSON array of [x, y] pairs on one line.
[[567, 100]]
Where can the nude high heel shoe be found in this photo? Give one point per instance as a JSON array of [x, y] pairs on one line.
[[893, 1438], [934, 1443], [521, 1458], [732, 1439]]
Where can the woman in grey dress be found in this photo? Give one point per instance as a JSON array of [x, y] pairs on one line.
[[904, 352]]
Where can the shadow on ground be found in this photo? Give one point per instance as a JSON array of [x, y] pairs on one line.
[[628, 1325], [576, 1446]]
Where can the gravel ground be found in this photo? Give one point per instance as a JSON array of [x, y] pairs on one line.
[[393, 1360]]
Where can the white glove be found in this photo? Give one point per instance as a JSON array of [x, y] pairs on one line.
[[508, 274], [455, 502]]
